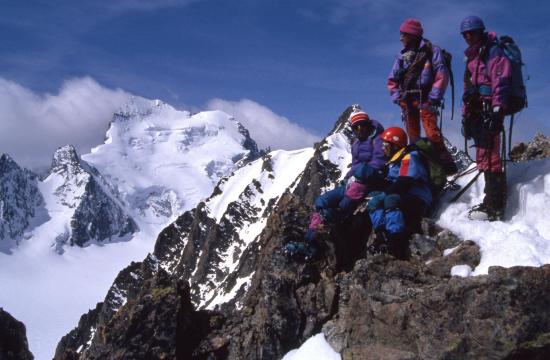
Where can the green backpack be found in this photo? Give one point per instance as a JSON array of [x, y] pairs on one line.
[[430, 155]]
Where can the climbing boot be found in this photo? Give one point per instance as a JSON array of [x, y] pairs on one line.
[[494, 202]]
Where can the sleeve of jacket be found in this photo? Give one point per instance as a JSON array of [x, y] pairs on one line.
[[393, 80], [441, 75], [500, 74], [378, 159]]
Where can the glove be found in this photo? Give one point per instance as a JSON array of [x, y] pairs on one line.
[[376, 201], [494, 121]]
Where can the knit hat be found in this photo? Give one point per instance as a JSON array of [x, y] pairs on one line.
[[358, 117], [412, 26], [470, 23]]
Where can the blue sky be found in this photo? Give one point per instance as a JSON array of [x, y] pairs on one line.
[[304, 61]]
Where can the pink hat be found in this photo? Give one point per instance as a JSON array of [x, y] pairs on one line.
[[412, 26]]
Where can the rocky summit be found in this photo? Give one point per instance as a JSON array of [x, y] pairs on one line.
[[367, 306]]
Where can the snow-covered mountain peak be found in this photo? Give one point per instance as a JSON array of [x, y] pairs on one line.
[[164, 161], [138, 106], [65, 160]]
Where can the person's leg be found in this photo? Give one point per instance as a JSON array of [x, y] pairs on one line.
[[489, 161], [412, 121], [433, 133]]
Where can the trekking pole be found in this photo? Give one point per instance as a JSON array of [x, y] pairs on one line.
[[510, 136], [441, 117], [463, 190]]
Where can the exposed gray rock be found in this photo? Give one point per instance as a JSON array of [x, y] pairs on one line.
[[368, 306], [538, 148], [20, 199], [98, 214], [13, 338]]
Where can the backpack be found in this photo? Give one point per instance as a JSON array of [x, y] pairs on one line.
[[518, 93], [430, 155]]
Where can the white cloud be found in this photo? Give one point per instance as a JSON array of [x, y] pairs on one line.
[[266, 127], [32, 126]]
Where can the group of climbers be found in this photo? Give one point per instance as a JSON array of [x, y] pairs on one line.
[[390, 171]]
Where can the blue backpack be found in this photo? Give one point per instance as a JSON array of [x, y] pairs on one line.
[[518, 93]]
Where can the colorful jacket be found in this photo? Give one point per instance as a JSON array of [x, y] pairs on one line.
[[368, 151], [491, 71], [409, 176], [433, 79]]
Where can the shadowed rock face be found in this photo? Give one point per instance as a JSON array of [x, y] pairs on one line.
[[13, 339], [371, 307]]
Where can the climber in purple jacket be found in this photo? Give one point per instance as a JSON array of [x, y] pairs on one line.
[[367, 148], [487, 82], [368, 160]]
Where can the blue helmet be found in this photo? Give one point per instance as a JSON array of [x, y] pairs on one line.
[[471, 23]]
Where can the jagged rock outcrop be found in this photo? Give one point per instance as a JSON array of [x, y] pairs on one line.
[[368, 307], [20, 198], [13, 339], [98, 214], [538, 148]]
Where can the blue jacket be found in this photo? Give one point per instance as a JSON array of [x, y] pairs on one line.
[[368, 151], [409, 176]]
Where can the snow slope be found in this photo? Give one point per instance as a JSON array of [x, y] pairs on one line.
[[524, 237]]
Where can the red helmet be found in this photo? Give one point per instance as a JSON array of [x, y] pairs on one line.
[[395, 136]]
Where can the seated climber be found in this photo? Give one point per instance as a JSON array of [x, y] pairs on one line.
[[397, 211], [368, 159]]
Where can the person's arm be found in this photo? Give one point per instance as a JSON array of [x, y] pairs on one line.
[[393, 81], [441, 76]]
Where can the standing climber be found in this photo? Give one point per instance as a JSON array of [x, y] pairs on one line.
[[417, 83], [368, 159], [487, 81], [397, 211]]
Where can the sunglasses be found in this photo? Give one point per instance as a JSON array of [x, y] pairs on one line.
[[359, 126]]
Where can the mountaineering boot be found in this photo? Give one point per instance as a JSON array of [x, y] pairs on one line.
[[494, 202]]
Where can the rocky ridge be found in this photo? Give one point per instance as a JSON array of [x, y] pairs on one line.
[[20, 198], [98, 213], [375, 307]]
